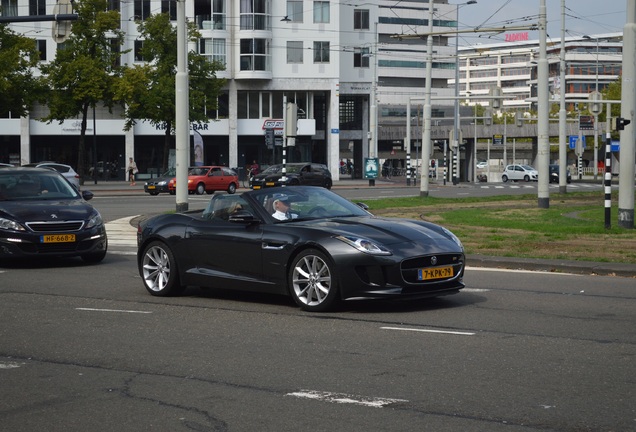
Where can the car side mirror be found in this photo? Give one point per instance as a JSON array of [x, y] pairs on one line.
[[87, 195]]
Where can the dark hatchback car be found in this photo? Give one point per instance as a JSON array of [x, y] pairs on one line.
[[160, 184], [297, 174], [554, 174], [42, 215]]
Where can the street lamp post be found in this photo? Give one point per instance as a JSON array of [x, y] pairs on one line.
[[595, 113], [456, 122]]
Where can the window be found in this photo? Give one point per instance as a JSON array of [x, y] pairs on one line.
[[9, 8], [361, 19], [350, 113], [218, 15], [361, 58], [294, 51], [115, 50], [213, 50], [295, 10], [321, 52], [254, 15], [139, 45], [113, 5], [142, 9], [321, 11], [37, 7], [254, 55], [40, 45], [169, 7]]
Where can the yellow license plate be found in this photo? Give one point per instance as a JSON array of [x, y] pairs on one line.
[[151, 187], [270, 184], [256, 187], [58, 238], [435, 273]]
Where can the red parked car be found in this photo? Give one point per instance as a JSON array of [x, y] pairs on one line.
[[208, 179]]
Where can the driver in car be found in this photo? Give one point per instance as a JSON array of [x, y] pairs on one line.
[[282, 208]]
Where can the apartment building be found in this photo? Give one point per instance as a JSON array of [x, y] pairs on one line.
[[324, 56]]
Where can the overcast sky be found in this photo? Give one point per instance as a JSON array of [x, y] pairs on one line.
[[582, 17]]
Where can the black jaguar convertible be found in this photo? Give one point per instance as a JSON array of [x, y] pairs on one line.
[[305, 241]]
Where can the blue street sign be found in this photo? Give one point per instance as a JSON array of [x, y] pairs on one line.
[[573, 139]]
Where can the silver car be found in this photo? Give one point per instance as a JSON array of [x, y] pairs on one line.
[[520, 172], [66, 170]]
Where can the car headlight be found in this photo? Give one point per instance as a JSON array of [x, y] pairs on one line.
[[364, 245], [8, 224], [162, 183], [453, 237], [95, 220]]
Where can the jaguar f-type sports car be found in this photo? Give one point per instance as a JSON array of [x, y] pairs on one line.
[[305, 241]]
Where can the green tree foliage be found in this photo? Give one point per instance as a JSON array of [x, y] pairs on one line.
[[84, 71], [612, 92], [19, 88], [148, 91]]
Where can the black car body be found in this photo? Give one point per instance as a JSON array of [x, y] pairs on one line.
[[296, 174], [160, 184], [42, 214], [331, 250], [554, 174]]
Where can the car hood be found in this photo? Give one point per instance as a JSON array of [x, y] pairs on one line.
[[159, 179], [276, 176], [74, 209], [387, 231]]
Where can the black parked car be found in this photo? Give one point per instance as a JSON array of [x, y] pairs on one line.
[[159, 185], [42, 214], [325, 249], [297, 174], [554, 174]]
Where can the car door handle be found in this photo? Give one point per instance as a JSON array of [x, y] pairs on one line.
[[273, 246]]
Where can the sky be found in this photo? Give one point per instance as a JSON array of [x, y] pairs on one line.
[[582, 17]]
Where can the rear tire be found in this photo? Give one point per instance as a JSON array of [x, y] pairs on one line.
[[504, 178], [231, 188], [158, 270]]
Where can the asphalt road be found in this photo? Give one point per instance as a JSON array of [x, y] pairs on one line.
[[85, 348]]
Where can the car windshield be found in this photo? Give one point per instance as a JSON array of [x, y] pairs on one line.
[[198, 171], [307, 203], [275, 169], [17, 186]]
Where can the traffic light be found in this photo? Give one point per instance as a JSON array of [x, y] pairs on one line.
[[621, 123], [495, 92]]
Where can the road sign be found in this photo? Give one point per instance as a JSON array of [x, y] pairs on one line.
[[573, 139], [497, 139], [586, 122]]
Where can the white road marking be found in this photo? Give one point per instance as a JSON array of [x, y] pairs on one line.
[[474, 290], [113, 310], [343, 398], [9, 365], [500, 270], [429, 331]]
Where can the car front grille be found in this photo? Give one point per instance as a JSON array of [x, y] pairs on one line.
[[63, 226], [410, 267]]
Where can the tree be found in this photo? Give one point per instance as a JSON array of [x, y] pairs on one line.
[[148, 90], [85, 68], [19, 86]]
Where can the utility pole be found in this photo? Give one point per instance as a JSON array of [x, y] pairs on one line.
[[543, 125], [628, 134], [563, 155], [426, 136], [181, 129]]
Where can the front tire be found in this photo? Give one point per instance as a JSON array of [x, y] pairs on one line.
[[312, 281], [526, 178], [200, 189], [158, 270]]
